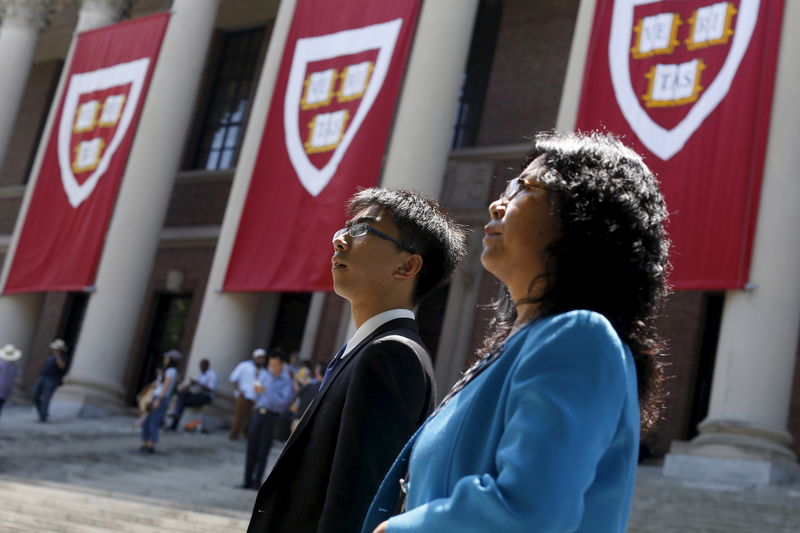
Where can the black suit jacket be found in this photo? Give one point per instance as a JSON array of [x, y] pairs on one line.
[[331, 466]]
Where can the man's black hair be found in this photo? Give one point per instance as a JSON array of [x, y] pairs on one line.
[[425, 227], [278, 352]]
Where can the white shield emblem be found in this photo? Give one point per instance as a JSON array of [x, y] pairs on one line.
[[98, 108], [663, 141], [335, 96]]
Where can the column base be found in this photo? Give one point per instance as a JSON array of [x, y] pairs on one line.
[[83, 399], [734, 452]]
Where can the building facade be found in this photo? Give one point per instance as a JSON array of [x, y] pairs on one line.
[[512, 67]]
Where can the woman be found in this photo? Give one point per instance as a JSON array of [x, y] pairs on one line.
[[542, 433], [162, 392]]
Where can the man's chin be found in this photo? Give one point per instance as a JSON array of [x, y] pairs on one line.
[[339, 287]]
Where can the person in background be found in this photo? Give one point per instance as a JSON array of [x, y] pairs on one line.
[[305, 394], [242, 378], [9, 371], [294, 363], [199, 391], [273, 388], [162, 391], [542, 432], [50, 378], [302, 375]]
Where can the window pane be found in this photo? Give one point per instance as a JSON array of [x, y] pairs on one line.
[[213, 159], [219, 135], [232, 137], [238, 115], [226, 159]]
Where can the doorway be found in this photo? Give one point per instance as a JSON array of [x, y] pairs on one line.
[[290, 321], [72, 319], [170, 313], [714, 304]]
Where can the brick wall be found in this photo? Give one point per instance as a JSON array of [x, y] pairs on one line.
[[199, 201], [528, 70], [9, 208], [30, 121]]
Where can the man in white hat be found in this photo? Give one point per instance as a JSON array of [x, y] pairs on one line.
[[8, 371], [50, 378], [243, 378]]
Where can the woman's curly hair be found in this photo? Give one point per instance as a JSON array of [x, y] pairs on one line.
[[612, 253]]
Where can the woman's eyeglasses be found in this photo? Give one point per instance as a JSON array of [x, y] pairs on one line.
[[516, 185], [360, 229]]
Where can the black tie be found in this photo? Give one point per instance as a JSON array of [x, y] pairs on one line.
[[332, 365]]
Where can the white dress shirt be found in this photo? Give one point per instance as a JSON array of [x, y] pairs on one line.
[[374, 323], [245, 375]]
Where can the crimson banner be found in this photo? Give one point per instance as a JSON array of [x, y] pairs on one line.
[[325, 136], [66, 222], [688, 83]]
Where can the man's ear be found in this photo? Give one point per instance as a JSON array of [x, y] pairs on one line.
[[410, 267]]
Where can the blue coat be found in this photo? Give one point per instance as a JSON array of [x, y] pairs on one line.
[[545, 440]]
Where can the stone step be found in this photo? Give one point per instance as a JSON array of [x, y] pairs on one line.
[[33, 491], [30, 506], [666, 505]]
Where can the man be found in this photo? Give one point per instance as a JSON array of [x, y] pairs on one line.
[[242, 378], [200, 391], [50, 378], [396, 247], [273, 395]]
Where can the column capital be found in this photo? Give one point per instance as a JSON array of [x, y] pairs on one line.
[[32, 15], [113, 9]]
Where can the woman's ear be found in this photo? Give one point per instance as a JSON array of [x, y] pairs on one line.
[[410, 267]]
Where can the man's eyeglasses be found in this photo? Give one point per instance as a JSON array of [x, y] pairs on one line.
[[362, 228]]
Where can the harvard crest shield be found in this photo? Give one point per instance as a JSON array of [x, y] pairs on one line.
[[333, 81], [672, 63], [98, 109]]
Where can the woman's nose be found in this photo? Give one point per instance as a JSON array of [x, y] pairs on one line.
[[497, 208], [339, 242]]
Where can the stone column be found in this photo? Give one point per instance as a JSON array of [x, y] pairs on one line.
[[98, 368], [467, 185], [453, 351], [99, 13], [19, 313], [420, 141], [312, 325], [227, 323], [573, 80], [19, 33], [744, 439]]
